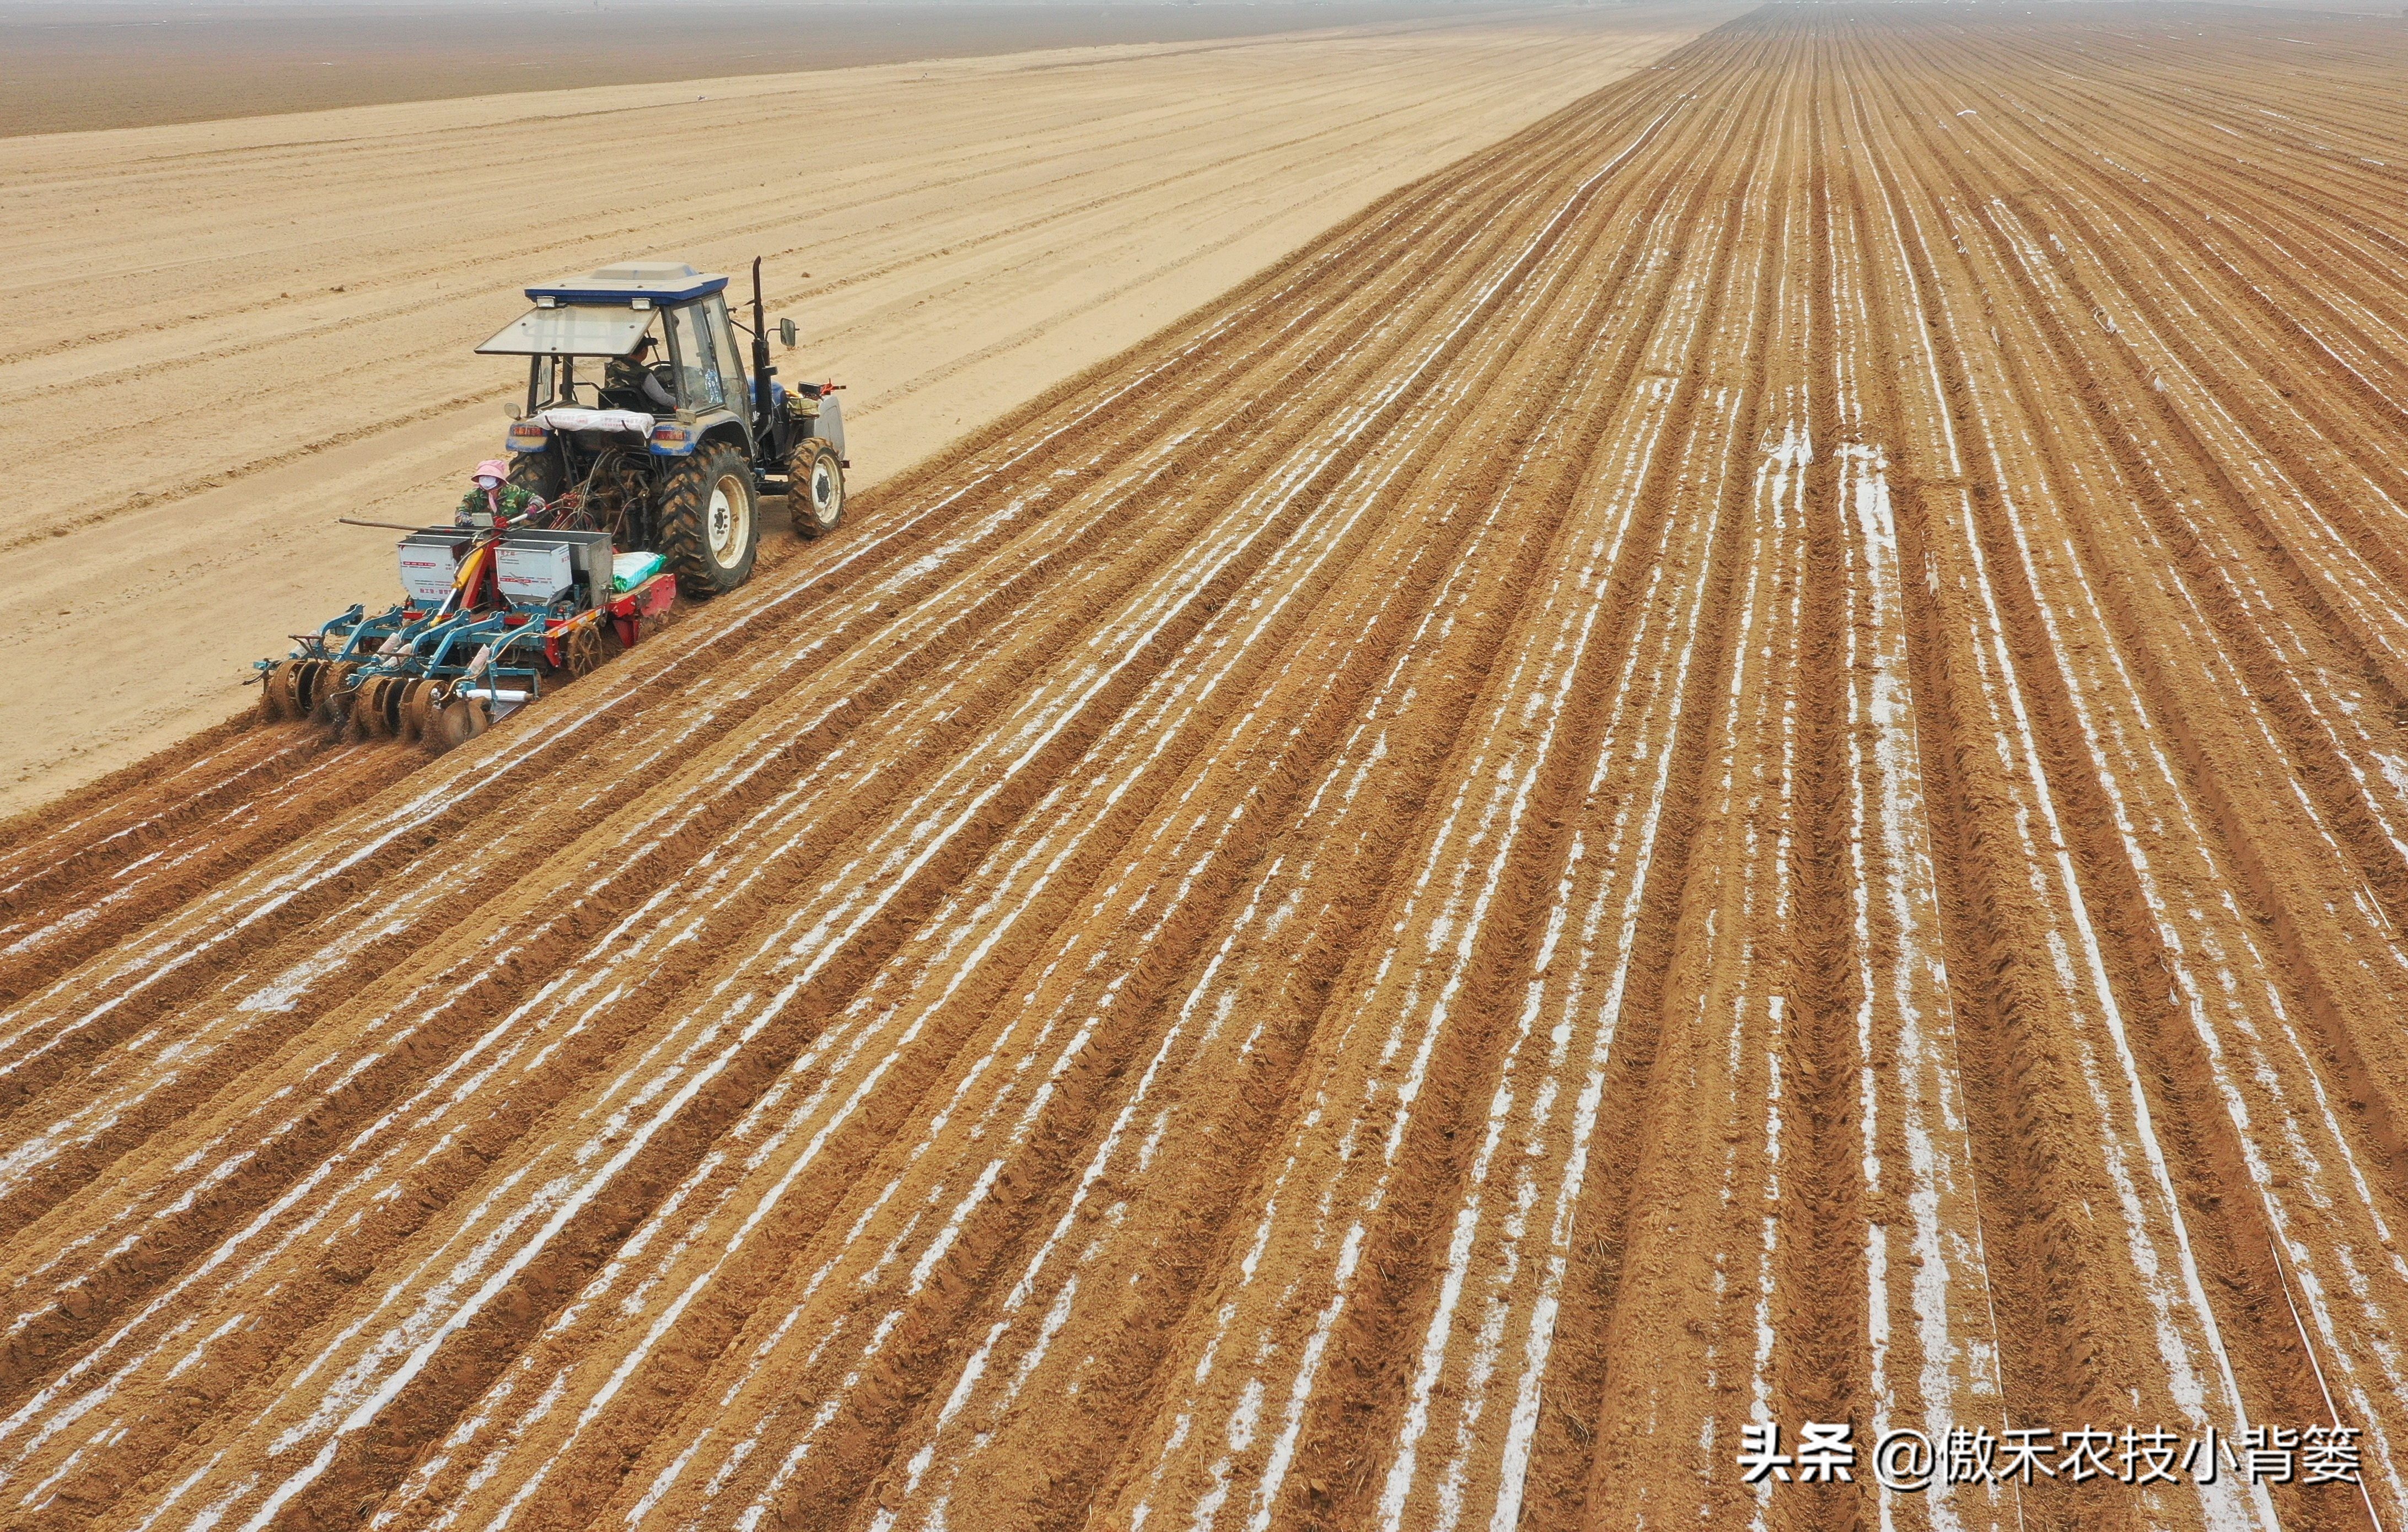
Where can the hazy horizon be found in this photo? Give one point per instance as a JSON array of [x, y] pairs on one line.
[[114, 64]]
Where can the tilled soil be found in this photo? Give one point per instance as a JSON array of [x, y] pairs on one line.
[[1739, 762], [953, 239]]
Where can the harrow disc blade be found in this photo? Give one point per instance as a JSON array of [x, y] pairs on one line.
[[275, 700], [454, 723], [334, 699], [306, 675], [373, 715], [412, 713]]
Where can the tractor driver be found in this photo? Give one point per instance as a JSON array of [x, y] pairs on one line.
[[492, 497], [631, 379]]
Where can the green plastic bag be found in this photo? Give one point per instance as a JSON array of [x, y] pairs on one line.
[[629, 570]]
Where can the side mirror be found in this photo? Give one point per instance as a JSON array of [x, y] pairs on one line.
[[786, 332]]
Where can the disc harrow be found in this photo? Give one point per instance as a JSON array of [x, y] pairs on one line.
[[491, 614]]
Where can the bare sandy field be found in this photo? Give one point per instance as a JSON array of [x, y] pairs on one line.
[[70, 67], [248, 328], [1741, 762]]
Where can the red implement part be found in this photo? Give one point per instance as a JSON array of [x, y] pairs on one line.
[[652, 598], [556, 635]]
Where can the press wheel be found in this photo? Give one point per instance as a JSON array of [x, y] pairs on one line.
[[582, 652]]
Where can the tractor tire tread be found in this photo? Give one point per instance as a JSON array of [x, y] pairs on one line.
[[684, 540], [801, 512], [537, 473]]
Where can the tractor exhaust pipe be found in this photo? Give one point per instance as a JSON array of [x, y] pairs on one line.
[[764, 428]]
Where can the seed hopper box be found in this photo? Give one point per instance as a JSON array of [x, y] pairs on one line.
[[429, 563], [537, 568]]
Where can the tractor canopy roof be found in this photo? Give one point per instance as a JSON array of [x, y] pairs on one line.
[[601, 314], [662, 281]]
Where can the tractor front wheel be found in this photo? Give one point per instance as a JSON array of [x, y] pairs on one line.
[[708, 529], [815, 489]]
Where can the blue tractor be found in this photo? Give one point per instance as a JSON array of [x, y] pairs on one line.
[[639, 404], [645, 468]]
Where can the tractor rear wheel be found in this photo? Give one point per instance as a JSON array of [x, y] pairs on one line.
[[815, 489], [537, 473], [708, 529]]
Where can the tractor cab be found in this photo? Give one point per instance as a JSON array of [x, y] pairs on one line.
[[661, 323]]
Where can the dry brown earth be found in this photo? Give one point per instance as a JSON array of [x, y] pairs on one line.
[[1746, 758], [236, 332]]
